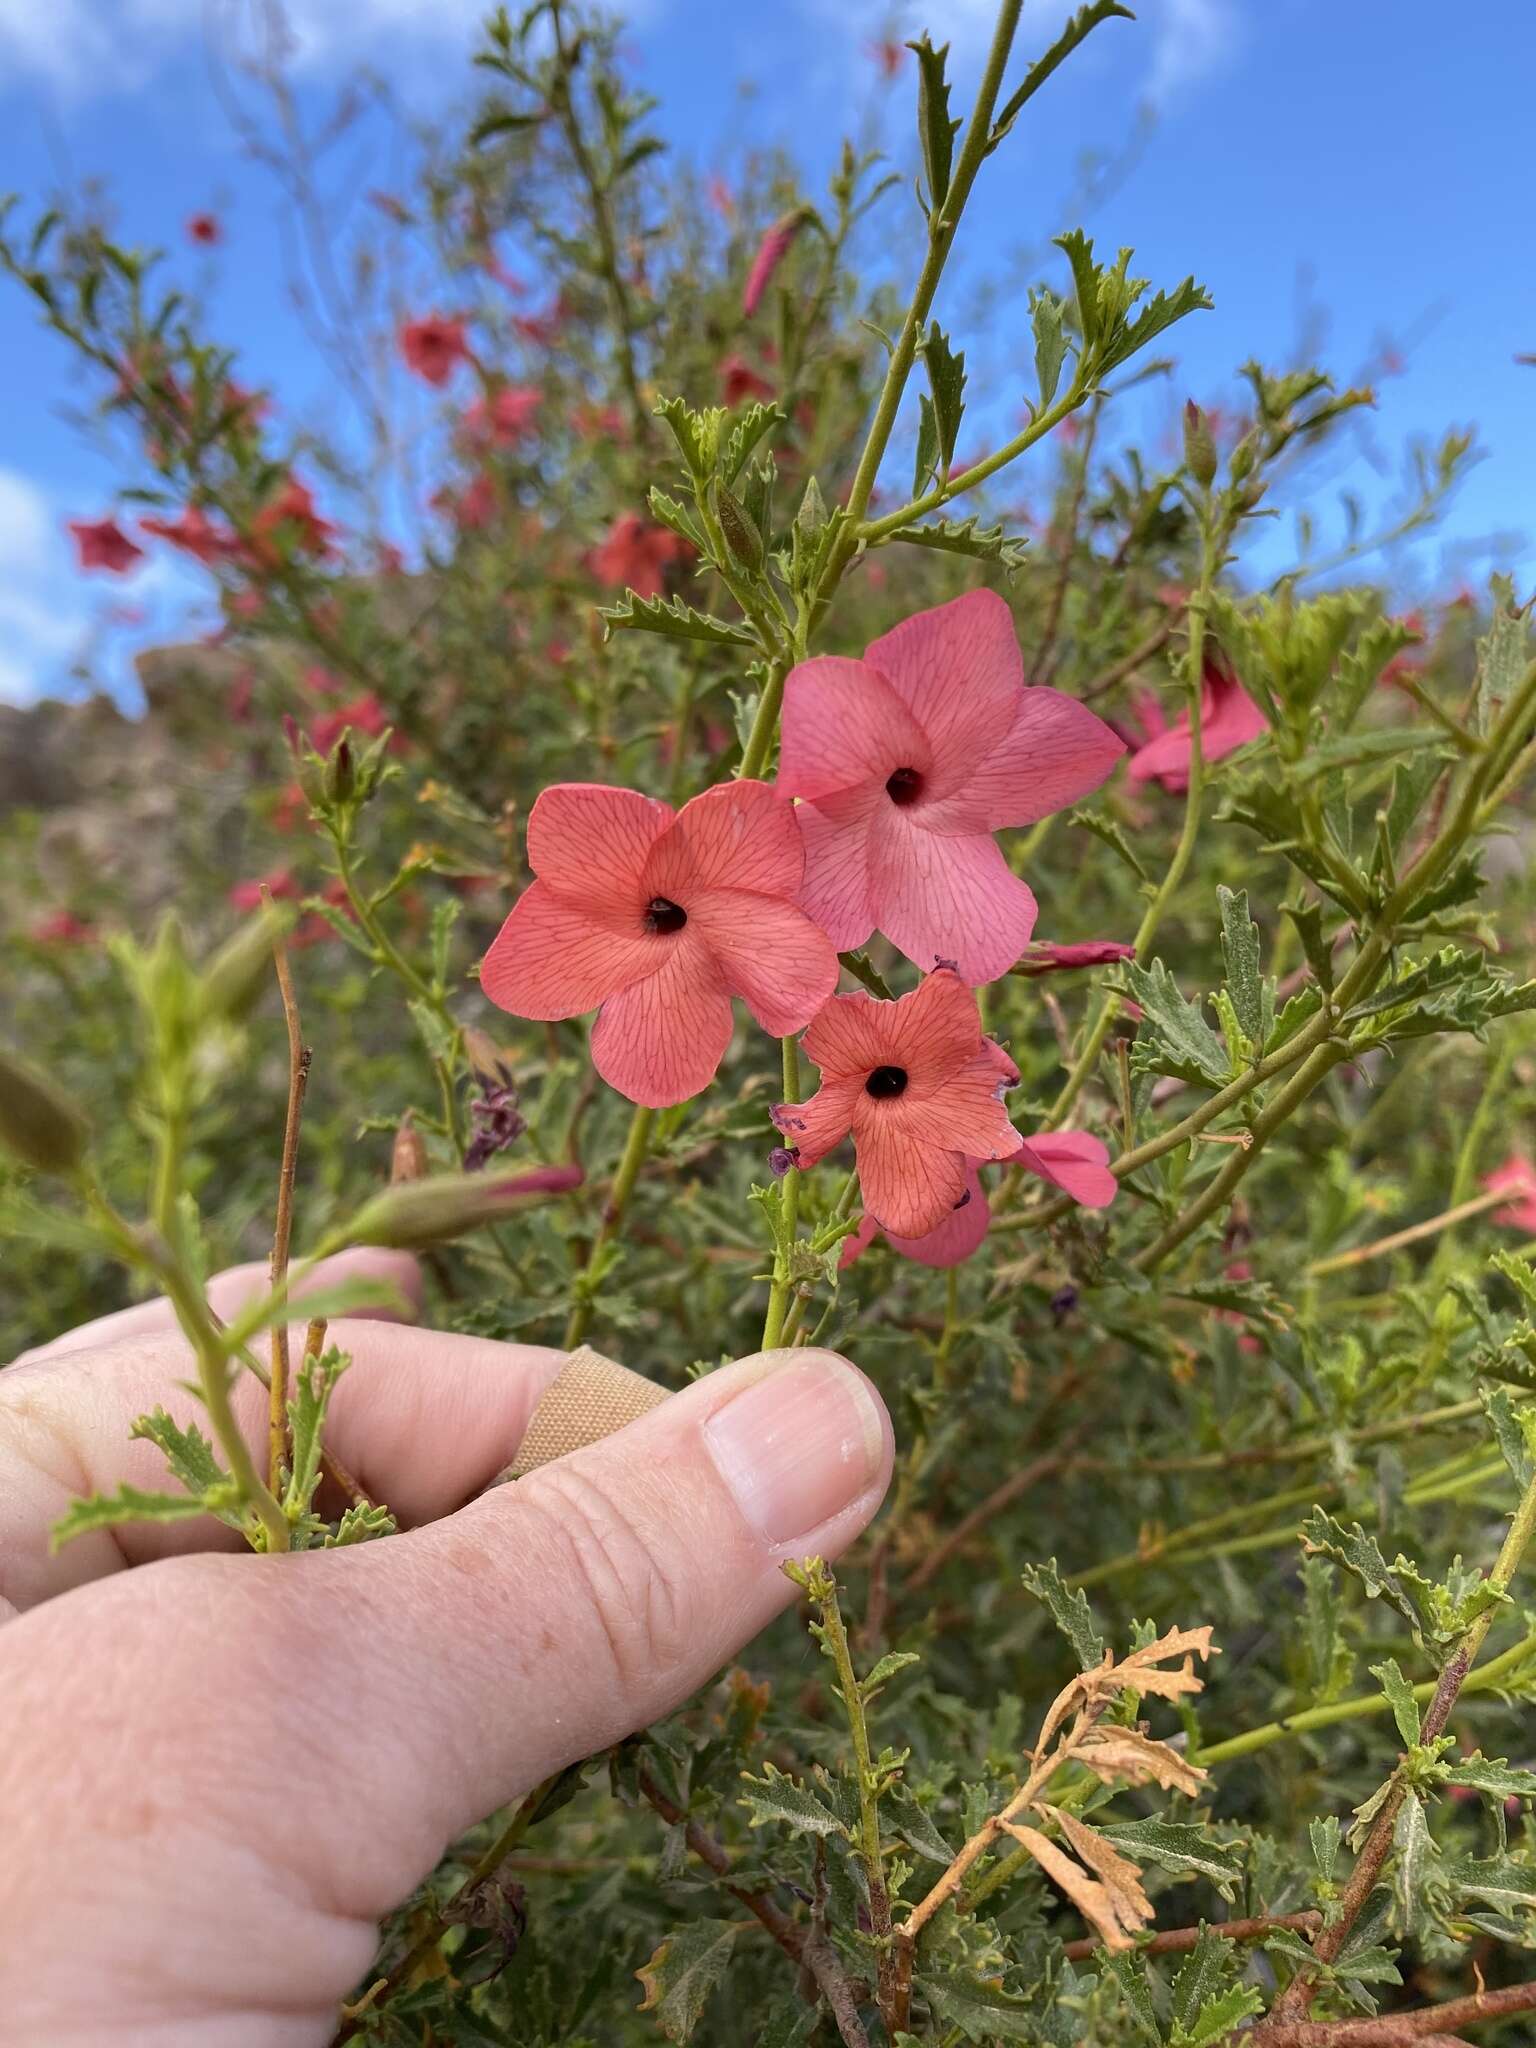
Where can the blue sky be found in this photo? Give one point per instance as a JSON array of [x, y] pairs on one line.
[[1361, 169]]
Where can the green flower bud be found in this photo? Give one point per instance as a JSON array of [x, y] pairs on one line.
[[242, 967], [739, 528], [1199, 446], [418, 1213], [37, 1122]]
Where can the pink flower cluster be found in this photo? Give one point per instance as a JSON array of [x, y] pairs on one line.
[[895, 773]]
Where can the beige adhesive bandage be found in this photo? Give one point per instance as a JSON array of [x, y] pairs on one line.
[[589, 1398]]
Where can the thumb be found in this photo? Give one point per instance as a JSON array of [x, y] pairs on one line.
[[391, 1695]]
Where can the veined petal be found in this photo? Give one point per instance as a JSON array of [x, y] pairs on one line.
[[962, 1115], [1054, 753], [588, 841], [814, 1127], [836, 891], [954, 1240], [943, 898], [1231, 716], [850, 1035], [552, 959], [958, 670], [909, 1187], [737, 835], [933, 1031], [769, 953], [662, 1040], [843, 725], [1074, 1161]]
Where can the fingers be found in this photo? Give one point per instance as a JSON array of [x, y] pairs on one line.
[[407, 1687], [423, 1421], [231, 1290]]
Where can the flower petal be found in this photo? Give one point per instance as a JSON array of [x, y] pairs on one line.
[[551, 959], [909, 1186], [814, 1127], [769, 953], [850, 1035], [836, 891], [661, 1041], [933, 1031], [860, 1241], [843, 725], [1074, 1161], [585, 839], [963, 1114], [737, 835], [945, 898], [958, 670], [954, 1240], [1232, 718], [1054, 753]]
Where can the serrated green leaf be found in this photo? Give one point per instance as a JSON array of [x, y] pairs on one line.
[[362, 1523], [188, 1452], [1179, 1041], [1491, 1774], [887, 1668], [1069, 1610], [861, 968], [936, 127], [1513, 1425], [1130, 1973], [1253, 998], [1182, 1848], [925, 460], [1325, 1836], [128, 1504], [776, 1798], [758, 419], [1104, 827], [946, 380], [674, 618], [982, 2013], [910, 1823], [670, 512], [1401, 1584], [1045, 314], [1216, 2020], [683, 1972], [1501, 653], [966, 537], [1202, 1976], [1405, 1708], [1076, 29]]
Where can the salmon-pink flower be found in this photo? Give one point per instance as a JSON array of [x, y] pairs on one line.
[[62, 928], [739, 381], [195, 534], [504, 419], [771, 251], [1044, 959], [655, 919], [1074, 1161], [433, 346], [290, 514], [909, 760], [919, 1088], [102, 544], [1229, 719], [1517, 1176], [635, 556]]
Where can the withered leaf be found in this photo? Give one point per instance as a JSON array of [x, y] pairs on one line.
[[1138, 1759]]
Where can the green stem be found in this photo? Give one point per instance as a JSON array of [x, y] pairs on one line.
[[835, 1638], [789, 1220], [635, 1149]]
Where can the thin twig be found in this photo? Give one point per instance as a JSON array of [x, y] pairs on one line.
[[1394, 2030], [299, 1057], [1177, 1941]]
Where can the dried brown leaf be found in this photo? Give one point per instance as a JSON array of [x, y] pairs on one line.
[[1109, 1911], [1138, 1759], [1121, 1877]]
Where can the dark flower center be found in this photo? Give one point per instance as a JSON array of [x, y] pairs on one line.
[[663, 915], [886, 1082], [904, 786]]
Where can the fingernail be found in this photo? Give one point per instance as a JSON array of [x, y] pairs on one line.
[[797, 1445]]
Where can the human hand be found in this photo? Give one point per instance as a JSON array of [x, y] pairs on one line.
[[218, 1772]]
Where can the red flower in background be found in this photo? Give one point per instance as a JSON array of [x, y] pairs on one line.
[[433, 346], [62, 928], [195, 534], [505, 419], [656, 920], [1229, 719], [635, 556], [102, 544], [919, 1089], [771, 251], [909, 760], [364, 714], [204, 228], [279, 884], [290, 516], [739, 381], [1043, 959], [1517, 1176]]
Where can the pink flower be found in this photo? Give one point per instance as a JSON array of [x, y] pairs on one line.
[[1044, 959], [771, 251], [1518, 1176], [195, 534], [739, 381], [102, 544], [908, 761], [656, 919], [504, 419], [62, 928], [204, 228], [635, 556], [1229, 718], [279, 884], [290, 514], [920, 1090], [433, 346], [1074, 1161], [364, 714]]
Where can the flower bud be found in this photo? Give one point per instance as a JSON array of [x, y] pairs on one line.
[[426, 1212], [242, 967], [408, 1159], [1199, 446], [739, 528], [37, 1122], [491, 1067], [341, 771]]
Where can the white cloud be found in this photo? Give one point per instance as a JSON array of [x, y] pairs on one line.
[[84, 48], [1192, 38]]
